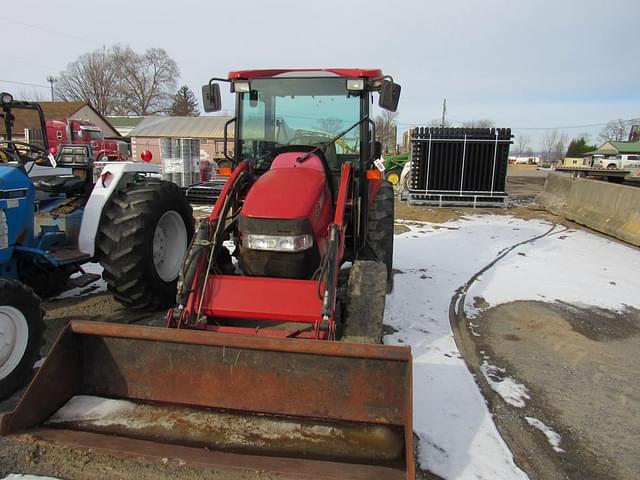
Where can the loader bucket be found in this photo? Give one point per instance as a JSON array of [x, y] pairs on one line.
[[293, 408]]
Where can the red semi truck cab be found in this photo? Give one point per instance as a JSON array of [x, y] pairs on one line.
[[82, 132]]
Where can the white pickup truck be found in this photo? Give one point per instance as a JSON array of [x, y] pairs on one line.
[[623, 161]]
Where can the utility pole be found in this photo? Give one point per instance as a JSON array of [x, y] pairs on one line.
[[444, 111], [51, 80]]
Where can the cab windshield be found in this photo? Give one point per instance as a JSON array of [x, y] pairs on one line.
[[298, 111]]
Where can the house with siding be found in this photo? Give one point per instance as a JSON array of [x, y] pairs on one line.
[[612, 150]]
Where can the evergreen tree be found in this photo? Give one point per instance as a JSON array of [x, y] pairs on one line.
[[184, 103], [578, 147]]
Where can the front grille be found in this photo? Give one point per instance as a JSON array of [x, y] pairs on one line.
[[10, 194], [4, 230]]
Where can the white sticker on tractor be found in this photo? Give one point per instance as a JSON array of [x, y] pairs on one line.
[[379, 163]]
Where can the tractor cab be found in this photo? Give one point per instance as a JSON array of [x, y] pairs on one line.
[[277, 109], [313, 121]]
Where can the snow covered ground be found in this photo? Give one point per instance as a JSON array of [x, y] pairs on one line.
[[457, 436]]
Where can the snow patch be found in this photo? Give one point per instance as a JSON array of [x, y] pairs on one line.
[[20, 476], [88, 408], [457, 436], [553, 437], [98, 286], [511, 391], [563, 267], [39, 363]]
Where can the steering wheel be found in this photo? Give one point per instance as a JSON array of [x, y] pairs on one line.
[[302, 139], [14, 152]]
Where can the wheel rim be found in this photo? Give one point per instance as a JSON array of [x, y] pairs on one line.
[[169, 245], [393, 178], [14, 337]]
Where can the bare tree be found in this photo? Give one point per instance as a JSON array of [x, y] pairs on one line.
[[549, 140], [480, 123], [148, 80], [386, 129], [32, 95], [330, 125], [94, 78], [522, 144], [437, 122], [615, 131], [117, 80], [560, 146]]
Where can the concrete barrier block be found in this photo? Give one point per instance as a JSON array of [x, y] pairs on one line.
[[607, 207], [556, 192]]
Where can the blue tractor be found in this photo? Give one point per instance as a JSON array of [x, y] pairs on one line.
[[117, 213]]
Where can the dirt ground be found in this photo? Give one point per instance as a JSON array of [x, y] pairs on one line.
[[581, 366]]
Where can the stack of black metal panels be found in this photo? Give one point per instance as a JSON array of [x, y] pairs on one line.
[[205, 192], [459, 166]]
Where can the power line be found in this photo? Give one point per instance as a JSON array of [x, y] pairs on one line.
[[627, 121], [24, 83], [48, 30]]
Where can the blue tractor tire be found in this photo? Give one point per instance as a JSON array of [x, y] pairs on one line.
[[21, 329]]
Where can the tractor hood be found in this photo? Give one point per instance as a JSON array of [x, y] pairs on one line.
[[292, 200], [12, 178], [16, 210], [289, 190]]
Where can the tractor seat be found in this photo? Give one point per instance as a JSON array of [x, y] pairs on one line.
[[67, 184]]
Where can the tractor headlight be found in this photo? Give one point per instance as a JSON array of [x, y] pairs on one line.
[[277, 243], [6, 98], [355, 84]]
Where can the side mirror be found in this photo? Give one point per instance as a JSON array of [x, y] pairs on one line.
[[389, 96], [377, 149], [211, 99]]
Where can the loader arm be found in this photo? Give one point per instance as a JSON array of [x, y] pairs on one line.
[[309, 302]]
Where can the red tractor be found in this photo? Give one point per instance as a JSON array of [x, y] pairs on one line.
[[280, 301], [304, 198]]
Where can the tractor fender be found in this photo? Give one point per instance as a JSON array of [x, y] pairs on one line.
[[111, 177]]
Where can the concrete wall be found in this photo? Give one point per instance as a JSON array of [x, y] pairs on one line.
[[606, 207]]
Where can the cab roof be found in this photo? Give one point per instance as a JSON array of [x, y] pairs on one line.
[[307, 72]]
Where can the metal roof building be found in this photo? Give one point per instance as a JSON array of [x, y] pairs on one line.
[[182, 127], [209, 130]]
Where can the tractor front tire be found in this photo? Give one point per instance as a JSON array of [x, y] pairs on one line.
[[380, 233], [142, 241], [21, 328], [365, 297], [393, 176]]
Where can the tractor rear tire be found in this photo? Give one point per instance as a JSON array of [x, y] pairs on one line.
[[365, 298], [21, 328], [380, 234], [143, 238]]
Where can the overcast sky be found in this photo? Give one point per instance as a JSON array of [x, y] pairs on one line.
[[523, 64]]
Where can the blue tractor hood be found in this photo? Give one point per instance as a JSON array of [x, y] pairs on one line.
[[12, 177], [17, 210]]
